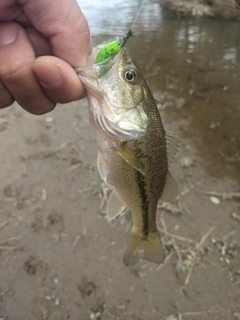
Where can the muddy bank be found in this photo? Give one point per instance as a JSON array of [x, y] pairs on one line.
[[228, 9], [60, 258]]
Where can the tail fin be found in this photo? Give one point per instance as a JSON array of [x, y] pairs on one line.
[[143, 247]]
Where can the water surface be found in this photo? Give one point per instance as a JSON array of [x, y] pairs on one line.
[[192, 65]]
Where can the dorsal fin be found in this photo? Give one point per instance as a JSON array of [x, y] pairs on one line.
[[170, 191], [172, 146], [115, 205]]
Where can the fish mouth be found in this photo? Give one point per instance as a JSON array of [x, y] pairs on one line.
[[93, 55]]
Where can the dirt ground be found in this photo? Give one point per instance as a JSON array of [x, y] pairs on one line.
[[61, 259]]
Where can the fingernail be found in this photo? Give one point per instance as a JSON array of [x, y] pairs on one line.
[[8, 33], [48, 74]]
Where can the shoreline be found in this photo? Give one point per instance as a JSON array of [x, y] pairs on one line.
[[229, 9]]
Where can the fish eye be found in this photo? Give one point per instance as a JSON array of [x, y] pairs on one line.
[[131, 76]]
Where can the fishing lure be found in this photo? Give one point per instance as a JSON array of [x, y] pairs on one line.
[[113, 47]]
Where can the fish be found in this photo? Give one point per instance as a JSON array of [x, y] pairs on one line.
[[134, 150]]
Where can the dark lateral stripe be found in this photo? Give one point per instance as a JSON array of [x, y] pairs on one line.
[[145, 215]]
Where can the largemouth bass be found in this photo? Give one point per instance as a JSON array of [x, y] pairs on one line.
[[133, 154]]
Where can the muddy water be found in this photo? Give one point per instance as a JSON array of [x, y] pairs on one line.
[[193, 66]]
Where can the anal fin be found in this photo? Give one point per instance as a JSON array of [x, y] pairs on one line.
[[170, 191], [115, 205]]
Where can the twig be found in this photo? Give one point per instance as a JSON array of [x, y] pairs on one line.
[[44, 194], [5, 241], [189, 188], [76, 240], [177, 237], [204, 238], [180, 263], [169, 207], [165, 261], [105, 189], [8, 248], [224, 195], [210, 261], [184, 208], [75, 166], [163, 222], [195, 258], [188, 277], [229, 235], [197, 313], [3, 224]]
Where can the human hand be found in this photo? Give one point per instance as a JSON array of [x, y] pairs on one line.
[[40, 43]]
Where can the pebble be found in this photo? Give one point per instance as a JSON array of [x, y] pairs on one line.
[[215, 200]]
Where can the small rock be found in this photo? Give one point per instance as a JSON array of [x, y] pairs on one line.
[[215, 200], [214, 125], [236, 216]]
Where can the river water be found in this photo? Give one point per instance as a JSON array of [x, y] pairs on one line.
[[192, 66]]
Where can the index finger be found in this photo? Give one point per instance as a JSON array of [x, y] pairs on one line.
[[64, 24]]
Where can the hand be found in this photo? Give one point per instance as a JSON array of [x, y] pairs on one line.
[[40, 43]]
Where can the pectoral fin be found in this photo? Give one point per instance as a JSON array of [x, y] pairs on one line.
[[101, 165], [170, 191], [128, 155], [115, 205]]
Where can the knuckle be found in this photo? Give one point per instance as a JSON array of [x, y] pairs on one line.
[[17, 71]]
